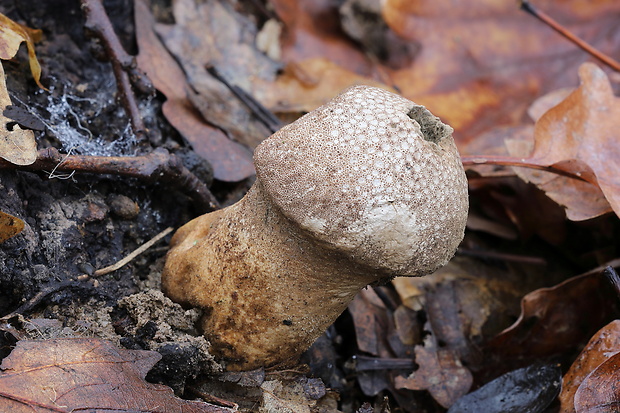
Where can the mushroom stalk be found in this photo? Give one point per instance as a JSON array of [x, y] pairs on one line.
[[367, 187], [278, 301]]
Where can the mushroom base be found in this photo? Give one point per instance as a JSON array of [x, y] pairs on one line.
[[267, 291]]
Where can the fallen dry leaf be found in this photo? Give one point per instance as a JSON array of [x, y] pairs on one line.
[[231, 161], [458, 308], [530, 389], [214, 34], [17, 146], [391, 347], [370, 319], [467, 59], [524, 206], [68, 375], [9, 226], [306, 85], [604, 344], [440, 372], [313, 30], [579, 135], [12, 34], [600, 390], [480, 65], [468, 300]]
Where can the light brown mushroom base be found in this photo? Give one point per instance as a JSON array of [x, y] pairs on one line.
[[266, 291]]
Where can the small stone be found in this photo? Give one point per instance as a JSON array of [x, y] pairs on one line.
[[95, 212], [123, 206]]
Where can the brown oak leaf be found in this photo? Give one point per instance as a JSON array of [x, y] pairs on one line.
[[85, 374]]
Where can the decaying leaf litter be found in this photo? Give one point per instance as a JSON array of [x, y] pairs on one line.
[[512, 298]]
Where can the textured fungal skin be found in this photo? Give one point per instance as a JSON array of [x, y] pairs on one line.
[[355, 192], [267, 291], [359, 174]]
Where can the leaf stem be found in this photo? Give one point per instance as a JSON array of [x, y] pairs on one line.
[[474, 160]]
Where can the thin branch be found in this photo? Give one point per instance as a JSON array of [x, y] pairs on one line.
[[159, 166], [548, 20], [80, 281], [615, 263], [209, 398]]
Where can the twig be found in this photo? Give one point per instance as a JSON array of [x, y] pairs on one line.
[[474, 160], [134, 254], [123, 64], [43, 294], [158, 166], [548, 20], [365, 363], [264, 115], [526, 259], [209, 398], [79, 283]]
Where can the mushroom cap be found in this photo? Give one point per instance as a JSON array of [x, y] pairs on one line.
[[361, 176]]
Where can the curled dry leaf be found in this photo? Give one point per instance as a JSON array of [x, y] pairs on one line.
[[12, 34], [579, 136], [556, 320], [17, 146], [600, 392], [580, 199], [67, 375], [9, 226], [604, 344]]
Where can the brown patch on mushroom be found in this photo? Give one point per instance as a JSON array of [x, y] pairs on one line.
[[350, 194]]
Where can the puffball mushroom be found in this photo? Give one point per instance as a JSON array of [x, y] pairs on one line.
[[367, 187]]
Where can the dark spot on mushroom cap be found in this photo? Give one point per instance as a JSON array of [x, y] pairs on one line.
[[433, 130]]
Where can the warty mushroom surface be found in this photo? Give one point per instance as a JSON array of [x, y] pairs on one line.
[[364, 188]]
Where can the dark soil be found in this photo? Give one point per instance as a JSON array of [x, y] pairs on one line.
[[77, 223]]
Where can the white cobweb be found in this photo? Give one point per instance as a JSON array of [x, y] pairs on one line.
[[67, 123]]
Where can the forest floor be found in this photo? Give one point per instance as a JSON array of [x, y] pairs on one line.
[[467, 322]]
